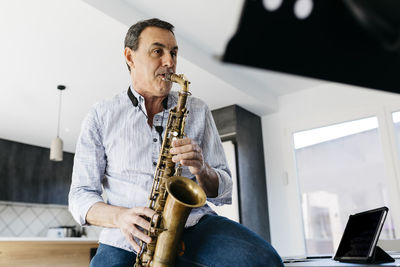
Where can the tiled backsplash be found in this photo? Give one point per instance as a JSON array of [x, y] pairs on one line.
[[33, 220]]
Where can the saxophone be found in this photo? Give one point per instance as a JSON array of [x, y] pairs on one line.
[[172, 196]]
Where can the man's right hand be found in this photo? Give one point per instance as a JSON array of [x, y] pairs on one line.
[[128, 220]]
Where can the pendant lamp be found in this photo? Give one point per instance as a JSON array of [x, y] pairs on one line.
[[56, 148]]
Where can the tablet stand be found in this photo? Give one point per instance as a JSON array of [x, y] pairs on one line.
[[380, 256]]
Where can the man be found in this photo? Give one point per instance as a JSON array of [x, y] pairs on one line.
[[118, 150]]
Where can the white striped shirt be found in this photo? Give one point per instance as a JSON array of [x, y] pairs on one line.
[[118, 150]]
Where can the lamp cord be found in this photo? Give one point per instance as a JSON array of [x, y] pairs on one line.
[[59, 115]]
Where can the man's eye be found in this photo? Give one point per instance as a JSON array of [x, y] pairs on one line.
[[157, 51], [174, 53]]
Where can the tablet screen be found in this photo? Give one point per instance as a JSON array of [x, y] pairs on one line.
[[361, 234]]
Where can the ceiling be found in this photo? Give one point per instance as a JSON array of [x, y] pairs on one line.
[[80, 44]]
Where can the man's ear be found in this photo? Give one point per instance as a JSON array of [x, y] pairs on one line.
[[128, 53]]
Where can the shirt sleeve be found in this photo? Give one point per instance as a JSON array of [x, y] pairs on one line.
[[214, 156], [88, 170]]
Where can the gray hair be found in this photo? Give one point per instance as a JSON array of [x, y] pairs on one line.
[[133, 35]]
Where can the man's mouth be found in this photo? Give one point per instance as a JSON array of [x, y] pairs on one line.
[[163, 76]]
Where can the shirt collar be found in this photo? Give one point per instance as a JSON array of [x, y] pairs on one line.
[[172, 100], [137, 95]]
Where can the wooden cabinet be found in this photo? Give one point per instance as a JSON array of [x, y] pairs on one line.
[[46, 253], [28, 175]]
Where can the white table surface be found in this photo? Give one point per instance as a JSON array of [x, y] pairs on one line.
[[332, 263]]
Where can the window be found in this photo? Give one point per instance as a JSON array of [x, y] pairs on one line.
[[396, 123], [341, 171]]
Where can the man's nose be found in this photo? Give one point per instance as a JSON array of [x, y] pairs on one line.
[[168, 60]]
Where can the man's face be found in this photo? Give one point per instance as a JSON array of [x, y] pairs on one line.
[[155, 56]]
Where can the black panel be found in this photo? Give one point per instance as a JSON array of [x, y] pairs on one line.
[[27, 174], [349, 41], [244, 129], [250, 152], [225, 120]]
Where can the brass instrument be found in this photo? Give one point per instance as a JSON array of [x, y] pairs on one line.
[[172, 196]]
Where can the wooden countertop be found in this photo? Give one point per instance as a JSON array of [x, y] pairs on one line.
[[45, 252], [46, 239]]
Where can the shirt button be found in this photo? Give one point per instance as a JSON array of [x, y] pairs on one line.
[[154, 163], [155, 140]]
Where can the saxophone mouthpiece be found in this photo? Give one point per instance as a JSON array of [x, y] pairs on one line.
[[168, 77]]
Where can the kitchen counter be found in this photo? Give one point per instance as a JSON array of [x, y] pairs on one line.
[[46, 252], [47, 239]]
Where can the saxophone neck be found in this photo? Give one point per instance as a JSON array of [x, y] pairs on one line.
[[178, 78], [184, 92]]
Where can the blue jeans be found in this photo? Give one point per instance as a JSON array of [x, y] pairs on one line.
[[214, 241]]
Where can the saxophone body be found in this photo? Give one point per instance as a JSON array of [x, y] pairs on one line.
[[172, 196]]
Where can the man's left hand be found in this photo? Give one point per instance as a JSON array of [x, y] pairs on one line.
[[189, 154]]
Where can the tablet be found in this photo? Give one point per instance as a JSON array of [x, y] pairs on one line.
[[361, 235]]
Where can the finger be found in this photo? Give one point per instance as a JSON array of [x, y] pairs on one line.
[[142, 236], [136, 247], [144, 211], [131, 240], [181, 142], [185, 148], [189, 156], [191, 163], [141, 222]]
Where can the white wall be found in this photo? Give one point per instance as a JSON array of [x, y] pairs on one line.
[[315, 107], [229, 211]]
